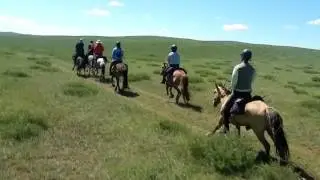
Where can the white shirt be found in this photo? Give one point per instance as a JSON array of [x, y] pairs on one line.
[[173, 58]]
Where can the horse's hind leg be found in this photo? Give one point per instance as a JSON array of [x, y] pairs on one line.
[[178, 94], [262, 139]]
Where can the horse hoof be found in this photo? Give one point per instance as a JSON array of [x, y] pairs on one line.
[[209, 134]]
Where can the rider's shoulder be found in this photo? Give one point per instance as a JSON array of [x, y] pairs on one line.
[[170, 53]]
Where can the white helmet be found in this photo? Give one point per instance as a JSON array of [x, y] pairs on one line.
[[98, 41]]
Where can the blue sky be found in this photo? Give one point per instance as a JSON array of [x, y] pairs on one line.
[[285, 22]]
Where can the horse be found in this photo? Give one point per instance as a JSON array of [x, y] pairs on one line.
[[180, 82], [91, 64], [118, 72], [101, 64], [259, 117], [80, 64]]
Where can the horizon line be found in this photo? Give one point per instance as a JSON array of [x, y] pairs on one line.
[[170, 37]]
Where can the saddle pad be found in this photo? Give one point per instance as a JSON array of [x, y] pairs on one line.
[[100, 61], [238, 107]]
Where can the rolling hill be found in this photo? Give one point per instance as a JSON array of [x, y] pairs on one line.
[[55, 125]]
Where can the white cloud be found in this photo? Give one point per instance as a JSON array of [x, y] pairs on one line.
[[28, 26], [314, 22], [235, 27], [98, 12], [116, 3], [290, 27]]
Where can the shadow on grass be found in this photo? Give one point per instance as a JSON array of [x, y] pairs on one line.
[[233, 156], [193, 107], [129, 94], [104, 81], [85, 76]]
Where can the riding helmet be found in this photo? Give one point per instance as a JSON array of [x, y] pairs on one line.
[[174, 48], [246, 54]]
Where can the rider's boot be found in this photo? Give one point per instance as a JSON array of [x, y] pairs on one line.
[[163, 79]]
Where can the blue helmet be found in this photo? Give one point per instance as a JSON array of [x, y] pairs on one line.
[[174, 48], [246, 55]]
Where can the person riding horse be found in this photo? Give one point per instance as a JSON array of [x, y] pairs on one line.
[[98, 49], [79, 51], [117, 57], [173, 61], [90, 48], [241, 85]]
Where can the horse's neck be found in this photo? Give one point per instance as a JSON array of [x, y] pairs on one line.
[[224, 99]]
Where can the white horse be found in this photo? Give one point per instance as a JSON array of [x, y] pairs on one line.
[[101, 64], [91, 63]]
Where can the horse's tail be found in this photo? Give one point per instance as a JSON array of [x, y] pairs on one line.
[[280, 141], [185, 87]]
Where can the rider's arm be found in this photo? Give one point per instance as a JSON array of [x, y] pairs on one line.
[[254, 76], [122, 55], [234, 77], [168, 59]]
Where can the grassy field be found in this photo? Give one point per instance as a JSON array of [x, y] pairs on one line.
[[55, 125]]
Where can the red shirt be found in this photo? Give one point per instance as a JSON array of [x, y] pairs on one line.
[[98, 49]]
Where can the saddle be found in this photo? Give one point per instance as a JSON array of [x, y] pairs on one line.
[[114, 66], [238, 107]]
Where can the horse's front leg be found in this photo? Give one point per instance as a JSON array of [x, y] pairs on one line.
[[167, 89], [171, 94], [238, 129], [218, 126], [118, 84]]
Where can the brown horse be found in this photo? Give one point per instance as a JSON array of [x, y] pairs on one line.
[[180, 83], [259, 117], [117, 72]]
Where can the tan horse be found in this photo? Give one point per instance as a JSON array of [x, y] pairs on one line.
[[259, 117], [117, 72], [180, 82]]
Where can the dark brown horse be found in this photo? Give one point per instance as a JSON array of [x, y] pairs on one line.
[[260, 118], [117, 71]]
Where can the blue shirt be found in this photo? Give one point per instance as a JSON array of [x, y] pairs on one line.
[[117, 54], [174, 58]]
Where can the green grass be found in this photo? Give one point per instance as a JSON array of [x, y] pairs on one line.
[[55, 125]]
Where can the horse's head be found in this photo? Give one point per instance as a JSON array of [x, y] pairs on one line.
[[164, 66], [219, 92]]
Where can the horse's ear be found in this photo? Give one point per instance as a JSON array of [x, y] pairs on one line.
[[218, 90]]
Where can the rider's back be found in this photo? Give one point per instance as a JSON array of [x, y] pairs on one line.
[[117, 54], [173, 58], [245, 77]]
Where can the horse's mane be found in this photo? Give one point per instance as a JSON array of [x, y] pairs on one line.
[[227, 91]]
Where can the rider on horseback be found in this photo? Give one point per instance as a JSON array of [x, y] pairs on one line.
[[79, 48], [98, 49], [90, 48], [173, 60], [117, 57], [241, 85]]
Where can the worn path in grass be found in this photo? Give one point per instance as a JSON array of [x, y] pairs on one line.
[[200, 122]]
